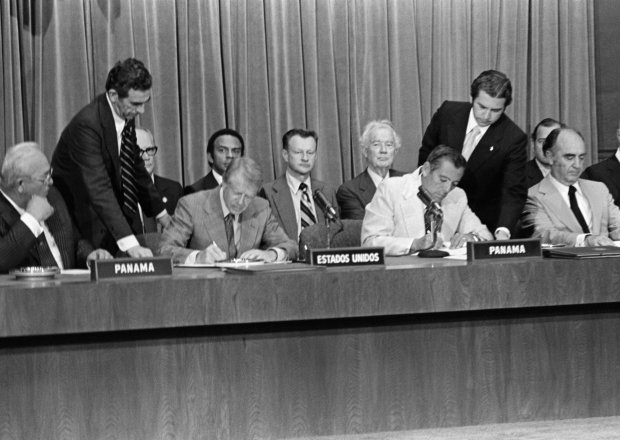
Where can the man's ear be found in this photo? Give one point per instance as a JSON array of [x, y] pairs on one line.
[[426, 168]]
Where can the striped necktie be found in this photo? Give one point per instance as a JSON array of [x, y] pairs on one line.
[[128, 174], [305, 207]]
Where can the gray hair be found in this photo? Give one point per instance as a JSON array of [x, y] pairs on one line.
[[246, 167], [17, 162], [374, 125]]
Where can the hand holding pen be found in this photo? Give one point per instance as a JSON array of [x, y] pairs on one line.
[[211, 254]]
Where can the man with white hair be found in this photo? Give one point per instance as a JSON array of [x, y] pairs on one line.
[[35, 226], [379, 143]]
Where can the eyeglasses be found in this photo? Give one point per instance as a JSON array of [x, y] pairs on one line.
[[149, 151]]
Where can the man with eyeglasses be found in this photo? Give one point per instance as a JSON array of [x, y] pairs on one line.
[[291, 194], [170, 190], [379, 143], [35, 225], [98, 168], [224, 145]]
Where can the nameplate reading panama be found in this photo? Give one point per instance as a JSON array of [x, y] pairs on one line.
[[130, 267], [346, 256], [489, 250]]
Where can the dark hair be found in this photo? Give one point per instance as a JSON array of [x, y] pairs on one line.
[[246, 167], [224, 132], [128, 74], [298, 132], [493, 83], [547, 122], [443, 152], [551, 140]]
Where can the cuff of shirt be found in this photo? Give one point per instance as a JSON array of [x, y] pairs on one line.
[[581, 240], [161, 214], [281, 253], [32, 223], [503, 229], [128, 242], [191, 258]]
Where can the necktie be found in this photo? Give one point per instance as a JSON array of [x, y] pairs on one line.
[[229, 222], [470, 142], [305, 207], [128, 176], [575, 208]]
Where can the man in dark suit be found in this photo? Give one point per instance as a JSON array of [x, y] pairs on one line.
[[291, 195], [98, 168], [495, 149], [171, 191], [539, 166], [224, 145], [35, 226], [227, 222], [379, 143], [564, 209], [608, 172]]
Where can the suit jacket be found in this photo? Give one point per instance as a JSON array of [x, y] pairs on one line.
[[395, 216], [280, 199], [353, 195], [199, 221], [553, 221], [19, 247], [207, 182], [494, 179], [533, 175], [87, 173], [171, 191], [608, 172]]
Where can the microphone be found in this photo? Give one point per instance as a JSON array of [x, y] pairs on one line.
[[434, 207], [325, 206]]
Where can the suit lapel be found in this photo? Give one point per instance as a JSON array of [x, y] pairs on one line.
[[366, 187], [486, 148], [109, 134], [557, 206], [456, 127], [283, 206], [213, 220], [412, 212], [597, 204]]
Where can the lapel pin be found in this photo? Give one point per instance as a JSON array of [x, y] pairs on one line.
[[492, 147], [164, 199]]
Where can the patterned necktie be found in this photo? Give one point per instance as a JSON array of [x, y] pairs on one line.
[[128, 175], [574, 206], [305, 207], [470, 142], [229, 222]]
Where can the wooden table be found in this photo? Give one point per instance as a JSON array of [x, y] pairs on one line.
[[209, 355]]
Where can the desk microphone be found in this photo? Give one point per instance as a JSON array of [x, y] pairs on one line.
[[434, 207], [325, 206]]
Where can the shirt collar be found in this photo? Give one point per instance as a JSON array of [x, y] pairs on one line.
[[376, 178], [618, 154], [543, 169], [218, 177], [563, 188], [471, 123], [225, 209], [293, 183], [119, 122]]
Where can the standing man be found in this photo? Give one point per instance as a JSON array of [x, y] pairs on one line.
[[291, 194], [608, 172], [539, 166], [227, 222], [224, 145], [564, 209], [495, 149], [35, 225], [379, 143], [98, 168]]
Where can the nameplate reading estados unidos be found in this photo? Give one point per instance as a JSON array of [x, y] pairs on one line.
[[502, 249], [346, 256], [130, 267]]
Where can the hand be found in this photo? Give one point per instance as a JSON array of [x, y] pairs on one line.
[[39, 208], [502, 235], [460, 240], [164, 221], [422, 243], [99, 254], [210, 255], [139, 252], [598, 240], [259, 255]]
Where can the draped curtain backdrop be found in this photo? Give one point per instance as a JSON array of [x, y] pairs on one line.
[[265, 66]]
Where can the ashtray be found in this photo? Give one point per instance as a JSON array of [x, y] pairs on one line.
[[35, 272]]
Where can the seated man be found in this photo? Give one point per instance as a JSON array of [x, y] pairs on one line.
[[35, 226], [538, 167], [223, 146], [608, 172], [394, 218], [227, 222], [564, 209], [171, 191], [379, 143]]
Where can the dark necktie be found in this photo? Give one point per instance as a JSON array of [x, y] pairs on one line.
[[229, 222], [128, 174], [305, 207], [575, 208]]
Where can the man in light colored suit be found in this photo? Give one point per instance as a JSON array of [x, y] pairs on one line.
[[379, 143], [564, 209], [394, 218], [285, 194], [227, 222]]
